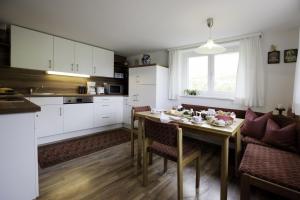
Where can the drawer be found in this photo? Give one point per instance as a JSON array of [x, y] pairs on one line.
[[103, 108], [107, 99], [46, 100], [104, 119]]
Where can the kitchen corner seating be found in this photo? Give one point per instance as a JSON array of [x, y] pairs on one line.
[[266, 166]]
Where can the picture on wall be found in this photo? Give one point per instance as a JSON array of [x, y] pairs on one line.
[[273, 57], [290, 55]]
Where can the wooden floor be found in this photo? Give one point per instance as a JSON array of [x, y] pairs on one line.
[[111, 174]]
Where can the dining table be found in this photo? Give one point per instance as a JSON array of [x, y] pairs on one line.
[[204, 129]]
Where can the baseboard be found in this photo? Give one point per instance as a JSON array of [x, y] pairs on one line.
[[63, 136]]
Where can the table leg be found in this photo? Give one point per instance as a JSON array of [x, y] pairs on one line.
[[224, 168], [237, 151], [140, 143]]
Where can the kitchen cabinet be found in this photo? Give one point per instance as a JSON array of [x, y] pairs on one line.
[[108, 111], [149, 86], [83, 58], [49, 121], [64, 55], [78, 116], [103, 62], [31, 49], [18, 153]]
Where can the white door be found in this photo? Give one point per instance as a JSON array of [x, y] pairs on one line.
[[145, 75], [78, 117], [103, 62], [49, 121], [64, 55], [146, 96], [31, 49], [83, 58]]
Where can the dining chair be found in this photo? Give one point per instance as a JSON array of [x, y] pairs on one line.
[[166, 140], [134, 128]]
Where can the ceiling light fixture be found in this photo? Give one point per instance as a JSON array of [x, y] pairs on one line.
[[68, 74], [210, 47]]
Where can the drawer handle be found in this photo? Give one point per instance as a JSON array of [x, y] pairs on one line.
[[105, 117], [105, 105]]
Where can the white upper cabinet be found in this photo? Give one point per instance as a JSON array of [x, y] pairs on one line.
[[103, 62], [64, 55], [83, 58], [31, 49], [34, 50]]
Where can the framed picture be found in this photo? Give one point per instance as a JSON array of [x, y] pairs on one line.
[[273, 57], [290, 55]]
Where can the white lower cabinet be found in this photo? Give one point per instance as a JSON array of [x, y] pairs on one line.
[[78, 117], [18, 154], [49, 121]]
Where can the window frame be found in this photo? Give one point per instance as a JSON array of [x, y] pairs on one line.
[[210, 93]]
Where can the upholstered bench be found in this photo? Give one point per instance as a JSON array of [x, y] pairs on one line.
[[271, 169]]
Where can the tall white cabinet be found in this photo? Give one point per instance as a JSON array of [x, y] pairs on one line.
[[147, 86]]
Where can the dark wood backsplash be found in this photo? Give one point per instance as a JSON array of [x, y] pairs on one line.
[[23, 79]]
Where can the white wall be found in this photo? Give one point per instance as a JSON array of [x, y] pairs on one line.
[[157, 57], [279, 78]]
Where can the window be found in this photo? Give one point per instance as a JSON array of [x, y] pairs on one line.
[[213, 75]]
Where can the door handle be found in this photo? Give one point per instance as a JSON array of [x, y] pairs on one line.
[[50, 64], [72, 67], [77, 67]]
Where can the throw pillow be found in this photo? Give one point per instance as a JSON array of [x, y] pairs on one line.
[[285, 137], [255, 126]]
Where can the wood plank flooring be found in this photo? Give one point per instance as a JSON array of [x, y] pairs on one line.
[[111, 174]]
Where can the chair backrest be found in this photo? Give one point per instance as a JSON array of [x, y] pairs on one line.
[[164, 133], [138, 109]]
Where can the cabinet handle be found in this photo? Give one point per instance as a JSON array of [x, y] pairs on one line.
[[50, 64], [60, 111], [94, 70], [77, 67], [105, 117], [105, 105], [72, 67]]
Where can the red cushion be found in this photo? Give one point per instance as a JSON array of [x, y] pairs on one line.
[[254, 126], [285, 137]]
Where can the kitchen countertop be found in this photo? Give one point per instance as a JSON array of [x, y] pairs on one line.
[[72, 95], [20, 106]]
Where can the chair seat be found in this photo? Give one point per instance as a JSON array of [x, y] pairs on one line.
[[251, 140], [189, 146], [274, 165]]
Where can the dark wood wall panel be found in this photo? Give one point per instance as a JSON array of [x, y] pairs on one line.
[[23, 79]]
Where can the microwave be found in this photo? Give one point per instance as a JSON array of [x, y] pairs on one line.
[[114, 89]]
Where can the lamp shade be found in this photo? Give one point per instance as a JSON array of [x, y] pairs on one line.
[[210, 47]]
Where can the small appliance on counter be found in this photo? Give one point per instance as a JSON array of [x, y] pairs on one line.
[[7, 91], [91, 87], [100, 90], [82, 89], [119, 75], [113, 88]]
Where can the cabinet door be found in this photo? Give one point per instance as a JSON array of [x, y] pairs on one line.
[[103, 62], [145, 75], [49, 121], [78, 117], [64, 55], [83, 58], [146, 96], [31, 49]]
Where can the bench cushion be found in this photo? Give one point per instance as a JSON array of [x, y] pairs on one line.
[[274, 165]]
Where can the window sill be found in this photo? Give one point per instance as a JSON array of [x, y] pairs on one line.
[[207, 97]]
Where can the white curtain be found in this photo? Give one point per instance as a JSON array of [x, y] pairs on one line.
[[174, 74], [296, 99], [250, 75]]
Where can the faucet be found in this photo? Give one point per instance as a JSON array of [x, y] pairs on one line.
[[36, 89]]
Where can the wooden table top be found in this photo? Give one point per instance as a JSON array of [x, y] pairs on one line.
[[227, 131]]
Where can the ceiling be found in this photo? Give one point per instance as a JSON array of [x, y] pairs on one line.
[[133, 26]]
